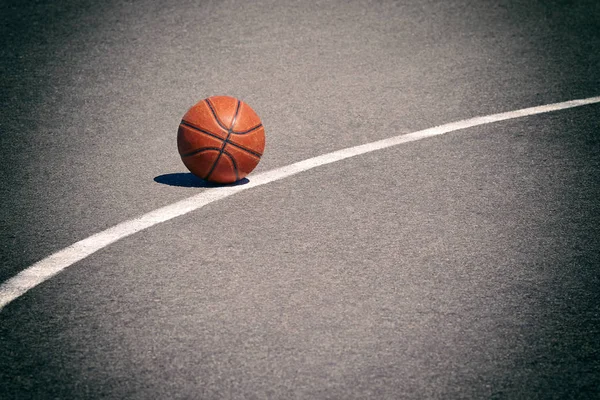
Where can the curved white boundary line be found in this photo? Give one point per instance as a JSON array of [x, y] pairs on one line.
[[53, 264]]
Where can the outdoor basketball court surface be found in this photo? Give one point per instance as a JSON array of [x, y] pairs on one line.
[[424, 223]]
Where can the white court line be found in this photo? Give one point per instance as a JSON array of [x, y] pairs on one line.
[[53, 264]]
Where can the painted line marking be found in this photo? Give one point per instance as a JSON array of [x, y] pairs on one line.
[[55, 263]]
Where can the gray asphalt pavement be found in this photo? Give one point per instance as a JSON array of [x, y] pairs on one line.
[[461, 266]]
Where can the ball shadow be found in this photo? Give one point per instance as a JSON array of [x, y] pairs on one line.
[[187, 179]]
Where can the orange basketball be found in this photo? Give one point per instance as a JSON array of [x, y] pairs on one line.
[[221, 139]]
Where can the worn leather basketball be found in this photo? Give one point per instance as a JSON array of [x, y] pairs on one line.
[[221, 139]]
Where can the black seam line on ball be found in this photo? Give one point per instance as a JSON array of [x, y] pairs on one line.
[[237, 111], [185, 123], [235, 168], [248, 131], [239, 146], [212, 110], [251, 152], [197, 151]]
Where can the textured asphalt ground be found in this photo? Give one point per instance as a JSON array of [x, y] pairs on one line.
[[462, 266]]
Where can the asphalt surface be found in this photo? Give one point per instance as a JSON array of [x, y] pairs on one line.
[[462, 266]]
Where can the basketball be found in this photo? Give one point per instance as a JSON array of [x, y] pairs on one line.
[[221, 139]]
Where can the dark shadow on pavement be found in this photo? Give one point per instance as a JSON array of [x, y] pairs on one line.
[[187, 179]]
